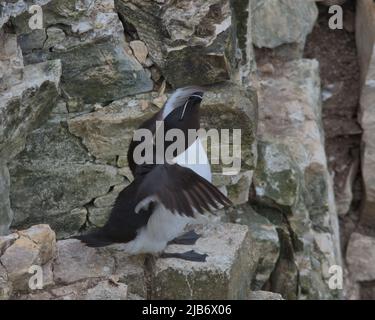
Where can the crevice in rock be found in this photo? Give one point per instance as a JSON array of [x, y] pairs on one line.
[[87, 223], [148, 274], [6, 270], [340, 79], [129, 30]]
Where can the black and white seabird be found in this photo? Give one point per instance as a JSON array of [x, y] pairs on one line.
[[163, 198]]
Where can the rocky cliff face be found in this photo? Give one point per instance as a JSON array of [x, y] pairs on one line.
[[71, 95]]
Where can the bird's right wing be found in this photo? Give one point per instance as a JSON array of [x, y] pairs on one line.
[[179, 190]]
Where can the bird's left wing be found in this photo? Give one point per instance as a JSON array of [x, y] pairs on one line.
[[180, 190]]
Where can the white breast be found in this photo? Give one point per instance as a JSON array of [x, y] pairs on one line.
[[195, 158], [164, 226]]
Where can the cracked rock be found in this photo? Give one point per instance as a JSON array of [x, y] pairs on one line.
[[225, 275]]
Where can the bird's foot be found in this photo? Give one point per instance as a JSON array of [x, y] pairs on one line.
[[189, 238], [188, 255]]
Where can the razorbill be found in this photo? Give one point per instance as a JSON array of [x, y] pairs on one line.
[[163, 198]]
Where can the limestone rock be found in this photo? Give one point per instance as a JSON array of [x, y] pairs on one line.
[[27, 105], [277, 176], [292, 184], [236, 187], [114, 125], [90, 289], [192, 42], [6, 213], [107, 290], [35, 246], [5, 286], [76, 262], [264, 242], [88, 37], [234, 105], [14, 8], [43, 236], [99, 216], [23, 107], [7, 241], [365, 37], [297, 125], [49, 191], [282, 22], [109, 199], [264, 295], [225, 275], [11, 61], [140, 50], [56, 162], [360, 256]]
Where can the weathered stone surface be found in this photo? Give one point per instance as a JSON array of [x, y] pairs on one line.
[[265, 295], [89, 40], [140, 50], [114, 125], [51, 171], [264, 242], [27, 105], [292, 178], [7, 241], [90, 289], [76, 262], [234, 105], [187, 37], [100, 211], [52, 142], [276, 179], [11, 61], [43, 236], [365, 35], [242, 16], [5, 286], [187, 26], [69, 223], [6, 214], [35, 246], [352, 289], [345, 197], [236, 187], [75, 272], [360, 257], [23, 107], [131, 271], [297, 125], [278, 22], [225, 275], [46, 191], [11, 9], [98, 216], [109, 199], [106, 290]]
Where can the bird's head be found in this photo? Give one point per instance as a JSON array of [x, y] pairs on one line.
[[184, 99]]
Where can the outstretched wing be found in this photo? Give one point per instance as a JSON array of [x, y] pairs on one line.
[[180, 190]]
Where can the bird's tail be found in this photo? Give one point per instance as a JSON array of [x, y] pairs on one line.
[[94, 239]]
